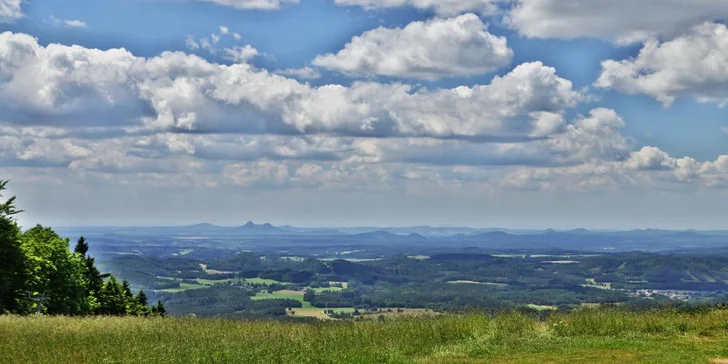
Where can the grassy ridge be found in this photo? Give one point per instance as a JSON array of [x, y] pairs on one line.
[[588, 336]]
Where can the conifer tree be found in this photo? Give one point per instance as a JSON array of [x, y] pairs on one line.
[[161, 310], [94, 280], [13, 270], [81, 247], [126, 289], [141, 305], [141, 298], [112, 298]]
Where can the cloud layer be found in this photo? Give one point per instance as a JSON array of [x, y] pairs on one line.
[[253, 4], [179, 119], [180, 92], [625, 21], [440, 7]]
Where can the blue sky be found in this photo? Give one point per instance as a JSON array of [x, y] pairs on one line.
[[515, 113]]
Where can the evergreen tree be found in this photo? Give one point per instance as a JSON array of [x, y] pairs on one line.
[[81, 247], [13, 271], [140, 305], [93, 278], [141, 298], [112, 300], [94, 283], [161, 310], [126, 289]]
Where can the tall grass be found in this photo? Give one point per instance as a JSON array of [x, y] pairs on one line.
[[467, 338]]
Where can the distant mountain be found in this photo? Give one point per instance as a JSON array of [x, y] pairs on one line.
[[580, 231], [262, 229], [415, 236]]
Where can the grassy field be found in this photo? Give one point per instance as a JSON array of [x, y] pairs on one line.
[[212, 271], [588, 336], [183, 287], [541, 307], [319, 313], [482, 283], [264, 281], [326, 289]]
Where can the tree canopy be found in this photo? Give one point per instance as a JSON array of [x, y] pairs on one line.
[[38, 262]]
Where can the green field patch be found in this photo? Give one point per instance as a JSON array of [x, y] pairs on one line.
[[182, 287], [308, 312], [318, 313], [522, 256], [590, 305], [213, 271], [481, 283], [326, 289], [344, 285], [591, 282], [353, 260], [561, 262], [212, 282], [541, 307], [257, 280]]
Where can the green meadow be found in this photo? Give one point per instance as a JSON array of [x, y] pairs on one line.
[[585, 336]]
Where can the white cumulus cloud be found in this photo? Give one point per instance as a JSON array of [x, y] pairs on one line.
[[440, 7], [429, 50], [186, 92], [253, 4], [694, 64], [625, 21], [305, 73]]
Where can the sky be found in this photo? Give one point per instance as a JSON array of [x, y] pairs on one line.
[[601, 114]]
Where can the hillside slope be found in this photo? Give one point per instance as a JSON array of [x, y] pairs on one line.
[[590, 336]]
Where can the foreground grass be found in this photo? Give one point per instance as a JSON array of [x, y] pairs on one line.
[[589, 336]]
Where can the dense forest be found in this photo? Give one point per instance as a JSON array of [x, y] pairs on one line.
[[39, 273], [237, 285]]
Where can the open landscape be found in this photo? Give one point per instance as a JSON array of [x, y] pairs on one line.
[[238, 272], [364, 181], [235, 294]]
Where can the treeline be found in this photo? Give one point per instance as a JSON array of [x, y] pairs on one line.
[[225, 301], [452, 297], [39, 272]]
